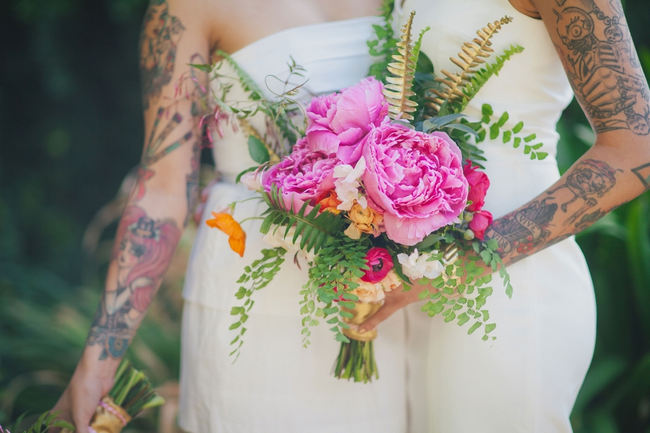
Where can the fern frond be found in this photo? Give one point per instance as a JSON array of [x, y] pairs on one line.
[[312, 229], [481, 76], [398, 91], [471, 55]]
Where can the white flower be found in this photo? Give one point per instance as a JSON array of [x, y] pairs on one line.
[[275, 239], [347, 184], [416, 265], [252, 180]]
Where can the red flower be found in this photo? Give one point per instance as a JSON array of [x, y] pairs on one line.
[[481, 221], [380, 263], [478, 186]]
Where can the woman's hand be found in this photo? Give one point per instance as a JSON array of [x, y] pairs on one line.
[[395, 300], [89, 384]]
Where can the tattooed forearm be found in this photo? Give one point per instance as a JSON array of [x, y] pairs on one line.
[[643, 173], [603, 67], [573, 204], [522, 231], [143, 250], [161, 32], [587, 181]]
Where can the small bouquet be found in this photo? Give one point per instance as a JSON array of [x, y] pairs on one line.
[[382, 188], [131, 394]]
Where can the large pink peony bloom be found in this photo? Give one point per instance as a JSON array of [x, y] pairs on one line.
[[338, 122], [415, 179], [303, 176]]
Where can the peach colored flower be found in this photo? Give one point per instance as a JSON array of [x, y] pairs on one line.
[[363, 221]]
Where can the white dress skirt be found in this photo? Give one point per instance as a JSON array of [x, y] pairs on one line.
[[434, 378]]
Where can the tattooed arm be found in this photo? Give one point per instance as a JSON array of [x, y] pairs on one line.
[[595, 46], [173, 35]]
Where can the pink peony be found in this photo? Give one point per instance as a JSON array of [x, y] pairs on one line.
[[478, 186], [415, 179], [481, 221], [303, 176], [338, 122], [380, 263]]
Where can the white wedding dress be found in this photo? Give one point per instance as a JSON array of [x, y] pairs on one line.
[[433, 377]]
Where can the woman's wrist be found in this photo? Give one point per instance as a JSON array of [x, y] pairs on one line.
[[92, 367]]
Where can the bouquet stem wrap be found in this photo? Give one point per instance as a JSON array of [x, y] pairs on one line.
[[108, 418], [356, 359]]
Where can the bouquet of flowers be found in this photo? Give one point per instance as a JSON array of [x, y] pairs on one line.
[[382, 188], [131, 394]]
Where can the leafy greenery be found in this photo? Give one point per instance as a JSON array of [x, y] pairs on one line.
[[334, 274], [311, 227], [384, 45], [44, 423], [132, 390], [256, 276]]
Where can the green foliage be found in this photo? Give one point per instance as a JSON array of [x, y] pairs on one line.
[[313, 228], [257, 150], [494, 129], [256, 276], [478, 79], [356, 361], [132, 390], [333, 275], [44, 423], [384, 43], [278, 109]]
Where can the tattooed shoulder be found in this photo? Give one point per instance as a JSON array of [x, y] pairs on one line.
[[161, 32], [603, 66]]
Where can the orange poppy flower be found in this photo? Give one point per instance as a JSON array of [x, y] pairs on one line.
[[227, 224]]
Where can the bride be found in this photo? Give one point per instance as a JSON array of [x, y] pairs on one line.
[[433, 377]]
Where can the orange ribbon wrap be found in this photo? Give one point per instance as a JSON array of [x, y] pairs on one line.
[[108, 418]]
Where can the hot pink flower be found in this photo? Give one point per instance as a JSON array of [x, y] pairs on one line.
[[481, 221], [380, 263], [415, 179], [339, 121], [302, 176], [478, 186]]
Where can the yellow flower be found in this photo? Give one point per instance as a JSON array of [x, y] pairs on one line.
[[365, 220], [227, 224]]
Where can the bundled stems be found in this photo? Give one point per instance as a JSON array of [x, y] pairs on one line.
[[356, 361]]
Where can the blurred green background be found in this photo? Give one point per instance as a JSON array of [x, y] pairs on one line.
[[71, 130]]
